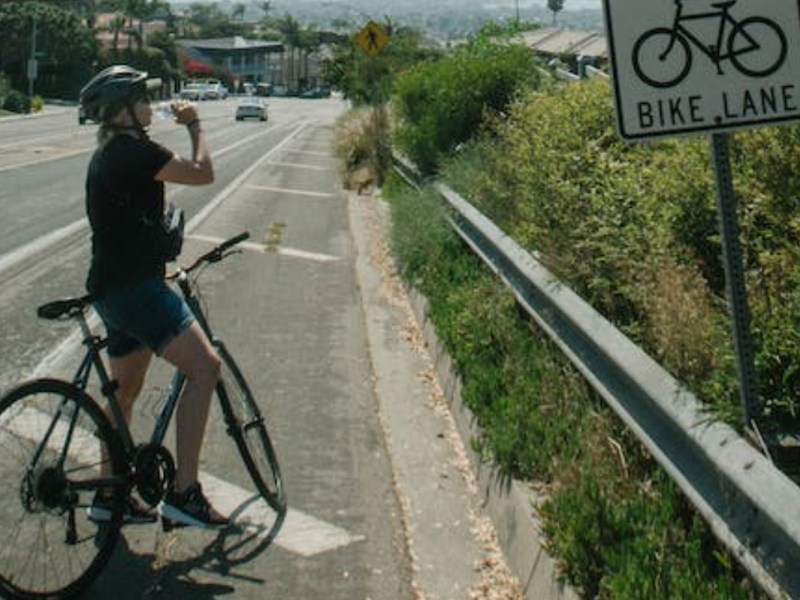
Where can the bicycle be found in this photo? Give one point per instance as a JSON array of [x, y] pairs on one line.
[[667, 54], [54, 437]]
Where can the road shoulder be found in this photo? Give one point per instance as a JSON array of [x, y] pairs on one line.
[[452, 541]]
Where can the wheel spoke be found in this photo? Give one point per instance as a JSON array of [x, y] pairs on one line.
[[45, 487]]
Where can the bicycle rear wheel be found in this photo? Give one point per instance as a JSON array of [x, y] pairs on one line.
[[51, 434], [246, 425]]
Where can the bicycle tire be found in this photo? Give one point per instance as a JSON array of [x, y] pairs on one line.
[[245, 423], [776, 59], [645, 42], [43, 505]]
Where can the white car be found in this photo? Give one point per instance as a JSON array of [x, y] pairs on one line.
[[194, 92], [216, 91], [251, 108]]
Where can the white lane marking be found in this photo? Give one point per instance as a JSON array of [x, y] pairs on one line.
[[301, 533], [67, 154], [31, 424], [305, 255], [264, 249], [299, 166], [53, 238], [266, 188], [309, 152], [87, 149]]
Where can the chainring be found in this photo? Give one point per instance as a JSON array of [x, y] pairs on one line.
[[154, 472]]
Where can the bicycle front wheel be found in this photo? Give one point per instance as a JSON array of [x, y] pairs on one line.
[[246, 425], [757, 47], [53, 439]]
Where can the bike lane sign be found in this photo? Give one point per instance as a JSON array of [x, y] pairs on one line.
[[694, 66]]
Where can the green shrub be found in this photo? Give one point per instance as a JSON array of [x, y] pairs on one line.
[[441, 103], [5, 88], [630, 227], [37, 104], [17, 102], [360, 143], [633, 229]]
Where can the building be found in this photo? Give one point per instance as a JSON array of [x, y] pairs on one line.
[[234, 58], [573, 48]]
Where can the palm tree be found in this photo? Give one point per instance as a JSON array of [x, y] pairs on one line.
[[290, 30], [555, 6], [140, 10], [238, 11], [116, 25]]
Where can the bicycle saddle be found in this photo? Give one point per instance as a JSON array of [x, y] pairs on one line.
[[67, 308], [723, 5]]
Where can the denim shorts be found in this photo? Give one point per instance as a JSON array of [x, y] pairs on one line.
[[147, 313]]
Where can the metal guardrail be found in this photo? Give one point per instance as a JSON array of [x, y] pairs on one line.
[[751, 506]]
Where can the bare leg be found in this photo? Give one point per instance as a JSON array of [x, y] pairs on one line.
[[192, 354], [129, 372]]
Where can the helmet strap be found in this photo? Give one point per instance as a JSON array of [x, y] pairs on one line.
[[136, 124]]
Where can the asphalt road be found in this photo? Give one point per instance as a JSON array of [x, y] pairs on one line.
[[381, 504]]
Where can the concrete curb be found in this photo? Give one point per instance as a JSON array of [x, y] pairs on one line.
[[508, 502]]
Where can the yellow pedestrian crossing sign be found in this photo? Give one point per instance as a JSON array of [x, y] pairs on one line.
[[372, 38]]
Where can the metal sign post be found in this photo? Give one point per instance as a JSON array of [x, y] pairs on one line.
[[734, 277], [33, 65]]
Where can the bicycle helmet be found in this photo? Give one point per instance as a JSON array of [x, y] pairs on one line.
[[112, 89]]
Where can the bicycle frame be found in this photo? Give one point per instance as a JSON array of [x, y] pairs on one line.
[[713, 52]]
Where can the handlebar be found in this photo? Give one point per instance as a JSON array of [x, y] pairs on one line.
[[216, 254]]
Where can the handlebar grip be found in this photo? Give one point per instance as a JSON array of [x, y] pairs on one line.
[[233, 241]]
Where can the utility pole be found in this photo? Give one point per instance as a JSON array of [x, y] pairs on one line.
[[517, 22], [32, 64]]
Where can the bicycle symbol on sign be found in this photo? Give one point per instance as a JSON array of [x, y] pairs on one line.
[[755, 46]]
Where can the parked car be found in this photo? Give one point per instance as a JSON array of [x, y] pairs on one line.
[[82, 118], [316, 92], [216, 91], [264, 89], [194, 92], [251, 108]]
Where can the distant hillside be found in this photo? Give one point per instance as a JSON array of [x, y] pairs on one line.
[[444, 19], [448, 19]]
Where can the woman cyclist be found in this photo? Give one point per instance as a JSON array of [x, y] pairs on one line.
[[142, 315]]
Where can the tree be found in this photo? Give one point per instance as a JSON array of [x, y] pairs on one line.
[[67, 48], [237, 14], [116, 25], [555, 6], [139, 10], [308, 43], [290, 30], [443, 103], [208, 21], [363, 79]]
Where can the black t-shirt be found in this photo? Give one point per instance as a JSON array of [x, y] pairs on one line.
[[123, 201]]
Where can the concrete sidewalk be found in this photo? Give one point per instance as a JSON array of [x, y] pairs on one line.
[[452, 540]]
